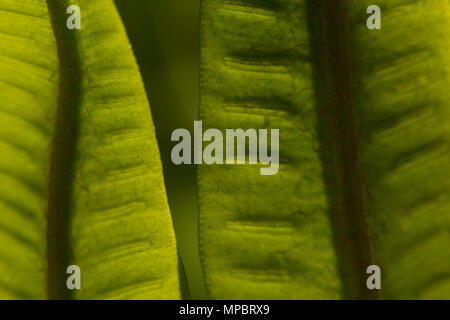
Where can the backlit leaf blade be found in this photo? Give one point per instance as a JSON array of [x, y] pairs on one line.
[[28, 86], [81, 177], [263, 237], [403, 114], [364, 151]]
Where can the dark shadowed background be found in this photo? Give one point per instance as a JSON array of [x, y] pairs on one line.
[[165, 39]]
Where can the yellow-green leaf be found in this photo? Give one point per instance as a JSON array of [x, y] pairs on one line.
[[364, 149], [80, 174]]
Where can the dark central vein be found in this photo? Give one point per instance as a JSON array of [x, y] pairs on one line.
[[336, 77], [63, 153]]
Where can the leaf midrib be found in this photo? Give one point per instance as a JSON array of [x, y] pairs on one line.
[[337, 80], [63, 152]]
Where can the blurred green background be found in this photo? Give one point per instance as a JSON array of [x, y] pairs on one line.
[[165, 39]]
